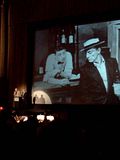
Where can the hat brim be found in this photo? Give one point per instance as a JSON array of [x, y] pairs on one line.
[[92, 46]]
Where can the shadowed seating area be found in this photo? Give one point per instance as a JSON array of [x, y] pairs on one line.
[[85, 133]]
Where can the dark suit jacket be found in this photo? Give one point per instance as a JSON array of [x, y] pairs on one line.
[[91, 84]]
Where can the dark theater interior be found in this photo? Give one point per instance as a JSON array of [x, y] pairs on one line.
[[63, 124]]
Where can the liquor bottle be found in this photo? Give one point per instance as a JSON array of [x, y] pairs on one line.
[[57, 40], [63, 38], [40, 70], [71, 38]]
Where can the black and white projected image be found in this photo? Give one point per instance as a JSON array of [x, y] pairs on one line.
[[78, 64]]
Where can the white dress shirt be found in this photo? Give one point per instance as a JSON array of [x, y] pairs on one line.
[[53, 66], [102, 70]]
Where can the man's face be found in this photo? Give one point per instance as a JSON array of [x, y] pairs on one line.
[[92, 54], [60, 55]]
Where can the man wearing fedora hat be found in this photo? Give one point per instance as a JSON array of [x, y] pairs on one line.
[[97, 75]]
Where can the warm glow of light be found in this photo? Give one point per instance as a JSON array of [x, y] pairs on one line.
[[24, 118], [40, 118], [22, 87], [44, 94], [1, 108], [50, 118], [18, 119]]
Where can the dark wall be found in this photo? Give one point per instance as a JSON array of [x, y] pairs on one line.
[[34, 10]]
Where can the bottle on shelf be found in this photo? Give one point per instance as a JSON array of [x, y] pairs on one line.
[[40, 70], [57, 40], [63, 37], [71, 38]]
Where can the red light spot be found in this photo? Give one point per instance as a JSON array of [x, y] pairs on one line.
[[1, 108]]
